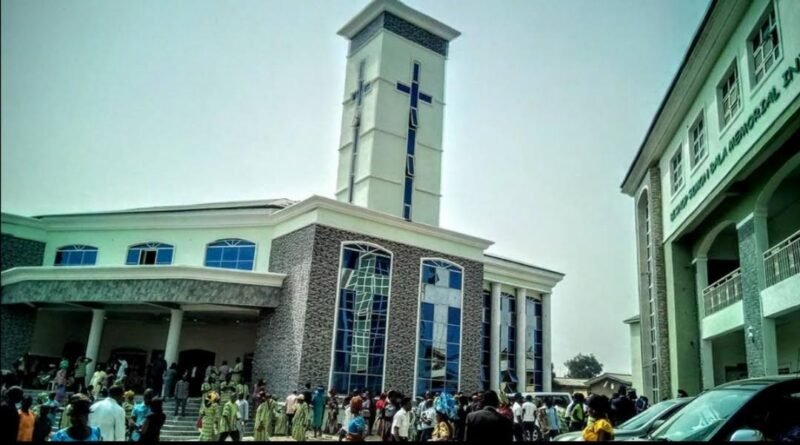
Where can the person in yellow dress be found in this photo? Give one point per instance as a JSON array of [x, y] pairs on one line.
[[210, 415], [301, 420], [443, 431], [264, 414], [600, 430]]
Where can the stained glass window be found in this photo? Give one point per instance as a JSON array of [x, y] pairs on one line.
[[486, 344], [361, 319], [76, 255], [231, 254], [439, 337], [534, 364]]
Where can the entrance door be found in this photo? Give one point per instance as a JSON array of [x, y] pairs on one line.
[[191, 358]]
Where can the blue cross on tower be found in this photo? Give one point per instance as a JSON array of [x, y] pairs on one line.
[[413, 122]]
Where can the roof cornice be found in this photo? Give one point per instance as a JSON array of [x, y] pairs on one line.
[[513, 273], [84, 273], [376, 7], [10, 218]]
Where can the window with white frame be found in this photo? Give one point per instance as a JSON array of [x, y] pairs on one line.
[[764, 45], [697, 140], [730, 100], [76, 255], [676, 170]]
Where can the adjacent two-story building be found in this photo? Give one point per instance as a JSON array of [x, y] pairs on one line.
[[716, 188]]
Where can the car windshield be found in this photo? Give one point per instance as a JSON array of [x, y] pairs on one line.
[[703, 416], [643, 418]]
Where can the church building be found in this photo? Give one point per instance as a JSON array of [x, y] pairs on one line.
[[716, 189], [362, 291]]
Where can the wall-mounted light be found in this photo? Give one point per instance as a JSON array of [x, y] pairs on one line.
[[750, 333]]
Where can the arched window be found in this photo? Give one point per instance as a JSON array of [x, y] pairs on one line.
[[76, 255], [231, 254], [439, 338], [150, 253], [361, 318]]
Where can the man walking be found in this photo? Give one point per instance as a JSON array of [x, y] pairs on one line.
[[517, 411], [291, 400], [109, 416], [529, 417], [229, 422], [487, 425], [401, 422], [427, 416], [181, 395]]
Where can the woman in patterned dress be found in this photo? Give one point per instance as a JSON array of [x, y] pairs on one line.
[[210, 414], [264, 415], [301, 420]]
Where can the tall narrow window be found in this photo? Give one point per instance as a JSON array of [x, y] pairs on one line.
[[676, 169], [729, 98], [360, 339], [439, 346], [231, 254], [697, 139], [508, 341], [150, 253], [76, 255], [534, 363], [765, 46], [486, 344], [650, 363]]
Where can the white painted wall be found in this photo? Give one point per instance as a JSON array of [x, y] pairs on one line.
[[722, 321], [787, 333], [190, 244], [636, 357], [788, 16], [728, 351]]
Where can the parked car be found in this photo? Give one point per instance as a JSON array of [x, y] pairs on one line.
[[756, 409], [639, 425]]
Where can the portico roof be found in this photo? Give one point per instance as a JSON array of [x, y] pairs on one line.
[[141, 284]]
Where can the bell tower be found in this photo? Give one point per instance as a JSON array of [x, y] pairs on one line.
[[390, 150]]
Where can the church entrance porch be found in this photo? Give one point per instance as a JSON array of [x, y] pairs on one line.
[[191, 336]]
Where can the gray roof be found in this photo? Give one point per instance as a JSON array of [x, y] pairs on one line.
[[229, 205]]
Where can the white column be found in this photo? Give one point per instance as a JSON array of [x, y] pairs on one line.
[[547, 380], [173, 337], [522, 297], [494, 334], [707, 363], [93, 343]]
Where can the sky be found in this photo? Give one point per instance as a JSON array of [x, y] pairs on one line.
[[113, 105]]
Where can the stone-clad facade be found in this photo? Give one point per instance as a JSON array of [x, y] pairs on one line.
[[294, 343], [18, 252]]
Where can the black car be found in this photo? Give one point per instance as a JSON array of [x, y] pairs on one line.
[[762, 408]]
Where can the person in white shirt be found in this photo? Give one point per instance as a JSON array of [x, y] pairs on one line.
[[516, 409], [426, 415], [291, 400], [400, 422], [109, 416], [122, 371], [529, 416]]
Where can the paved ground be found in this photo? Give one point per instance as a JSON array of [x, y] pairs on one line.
[[324, 438]]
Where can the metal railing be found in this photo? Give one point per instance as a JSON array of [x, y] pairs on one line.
[[723, 292], [782, 260]]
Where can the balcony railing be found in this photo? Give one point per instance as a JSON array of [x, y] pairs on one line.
[[723, 292], [783, 260]]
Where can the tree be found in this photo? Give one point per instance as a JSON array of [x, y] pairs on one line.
[[583, 367]]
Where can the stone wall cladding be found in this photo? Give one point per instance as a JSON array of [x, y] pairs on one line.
[[658, 272], [403, 310], [750, 263], [16, 330], [18, 252], [280, 334], [151, 291]]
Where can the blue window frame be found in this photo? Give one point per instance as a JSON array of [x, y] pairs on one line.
[[150, 253], [534, 363], [76, 255], [361, 319], [508, 340], [231, 254], [439, 340]]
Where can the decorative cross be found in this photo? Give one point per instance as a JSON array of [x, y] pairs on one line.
[[416, 95]]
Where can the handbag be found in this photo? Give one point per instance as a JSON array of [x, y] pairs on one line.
[[199, 423]]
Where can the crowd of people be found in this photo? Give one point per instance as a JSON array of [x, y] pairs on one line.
[[101, 407]]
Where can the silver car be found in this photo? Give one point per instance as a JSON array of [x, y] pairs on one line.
[[639, 425]]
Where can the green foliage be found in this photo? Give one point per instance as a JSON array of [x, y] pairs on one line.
[[583, 367]]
